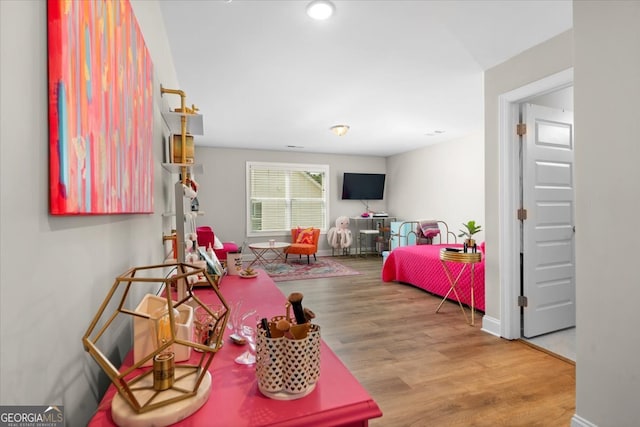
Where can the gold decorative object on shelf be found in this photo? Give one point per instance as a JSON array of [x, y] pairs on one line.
[[182, 149], [136, 384], [177, 149]]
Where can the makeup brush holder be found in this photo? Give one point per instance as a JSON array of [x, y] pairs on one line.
[[286, 368]]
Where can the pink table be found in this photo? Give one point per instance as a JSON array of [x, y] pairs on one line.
[[338, 399]]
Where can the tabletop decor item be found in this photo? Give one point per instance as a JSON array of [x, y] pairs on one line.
[[248, 273], [237, 322], [164, 371], [206, 325], [288, 352], [470, 229]]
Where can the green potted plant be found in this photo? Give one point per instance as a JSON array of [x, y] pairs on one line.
[[471, 228]]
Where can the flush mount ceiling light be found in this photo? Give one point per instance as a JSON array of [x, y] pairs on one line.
[[320, 9], [339, 130], [435, 132]]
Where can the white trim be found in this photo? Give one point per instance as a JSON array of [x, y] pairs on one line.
[[509, 263], [287, 167], [491, 325], [578, 421], [509, 234]]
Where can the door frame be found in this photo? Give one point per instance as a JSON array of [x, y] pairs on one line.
[[509, 173]]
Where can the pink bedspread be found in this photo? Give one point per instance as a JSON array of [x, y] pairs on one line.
[[420, 266]]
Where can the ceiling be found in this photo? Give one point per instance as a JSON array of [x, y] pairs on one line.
[[266, 76]]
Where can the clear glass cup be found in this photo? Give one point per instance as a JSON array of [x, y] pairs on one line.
[[248, 332]]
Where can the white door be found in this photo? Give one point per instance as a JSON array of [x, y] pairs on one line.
[[548, 231]]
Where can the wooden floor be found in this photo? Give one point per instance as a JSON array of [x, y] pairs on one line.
[[428, 369]]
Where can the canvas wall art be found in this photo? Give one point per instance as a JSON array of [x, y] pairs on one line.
[[100, 110]]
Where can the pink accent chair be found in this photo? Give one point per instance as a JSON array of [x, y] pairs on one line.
[[206, 237]]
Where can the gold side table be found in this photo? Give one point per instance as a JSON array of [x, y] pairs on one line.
[[468, 259], [260, 250]]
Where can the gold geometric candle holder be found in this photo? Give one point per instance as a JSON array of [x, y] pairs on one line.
[[135, 383]]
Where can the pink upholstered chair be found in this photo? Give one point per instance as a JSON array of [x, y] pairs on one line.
[[304, 242], [206, 237]]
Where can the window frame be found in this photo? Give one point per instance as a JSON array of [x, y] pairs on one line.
[[290, 167]]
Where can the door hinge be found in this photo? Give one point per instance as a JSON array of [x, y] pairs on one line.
[[521, 129], [522, 214], [522, 301]]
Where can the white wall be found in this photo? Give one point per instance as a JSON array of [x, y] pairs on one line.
[[443, 181], [607, 122], [222, 187], [55, 271]]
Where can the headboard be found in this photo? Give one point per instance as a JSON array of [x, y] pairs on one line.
[[408, 233]]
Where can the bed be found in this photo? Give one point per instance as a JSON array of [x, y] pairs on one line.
[[414, 259]]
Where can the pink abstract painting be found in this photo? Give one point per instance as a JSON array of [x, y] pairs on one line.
[[100, 110]]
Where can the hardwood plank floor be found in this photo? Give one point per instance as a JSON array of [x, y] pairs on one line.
[[428, 369]]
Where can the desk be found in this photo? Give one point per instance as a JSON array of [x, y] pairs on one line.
[[235, 400], [468, 259], [264, 248]]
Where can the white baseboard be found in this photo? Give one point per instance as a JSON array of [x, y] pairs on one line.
[[578, 421], [491, 325], [327, 252]]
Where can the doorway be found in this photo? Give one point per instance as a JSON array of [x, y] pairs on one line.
[[510, 239]]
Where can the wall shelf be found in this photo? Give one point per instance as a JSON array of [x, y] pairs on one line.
[[182, 122], [168, 214], [192, 168], [195, 122]]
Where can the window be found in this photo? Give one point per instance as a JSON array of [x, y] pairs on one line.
[[283, 196]]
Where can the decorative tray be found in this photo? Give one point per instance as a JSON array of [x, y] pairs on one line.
[[248, 276]]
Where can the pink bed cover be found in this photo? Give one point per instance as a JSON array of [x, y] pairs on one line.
[[420, 266]]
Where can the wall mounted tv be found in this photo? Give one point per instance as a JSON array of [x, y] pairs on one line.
[[363, 186]]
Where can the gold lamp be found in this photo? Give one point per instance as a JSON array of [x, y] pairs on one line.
[[340, 130], [136, 384]]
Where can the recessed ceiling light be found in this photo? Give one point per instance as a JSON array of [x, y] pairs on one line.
[[320, 9]]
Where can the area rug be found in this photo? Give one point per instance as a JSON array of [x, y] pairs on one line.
[[300, 270]]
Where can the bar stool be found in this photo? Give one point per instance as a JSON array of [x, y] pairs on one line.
[[364, 236]]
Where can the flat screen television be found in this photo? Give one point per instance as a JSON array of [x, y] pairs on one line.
[[363, 186]]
